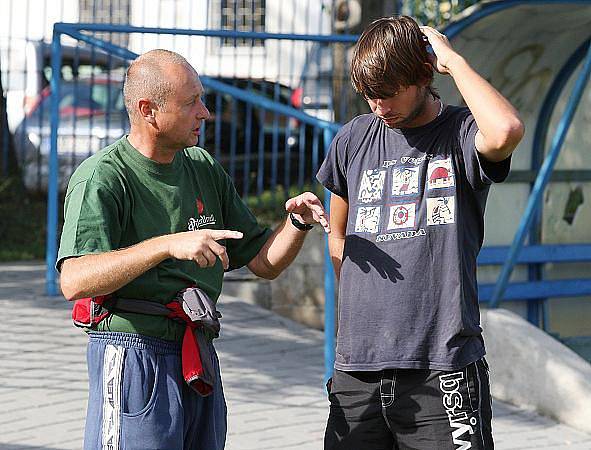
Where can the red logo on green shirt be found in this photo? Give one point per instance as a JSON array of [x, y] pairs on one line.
[[201, 220]]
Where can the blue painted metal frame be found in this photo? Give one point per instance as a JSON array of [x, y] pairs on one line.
[[542, 180], [329, 286], [535, 309], [329, 130], [52, 181], [479, 12], [532, 290], [556, 253], [482, 10], [67, 28]]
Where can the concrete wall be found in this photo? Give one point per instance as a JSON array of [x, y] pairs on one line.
[[531, 369], [298, 293]]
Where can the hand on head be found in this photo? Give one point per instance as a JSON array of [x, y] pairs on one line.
[[443, 52]]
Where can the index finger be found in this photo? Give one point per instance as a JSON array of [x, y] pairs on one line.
[[225, 234], [315, 206]]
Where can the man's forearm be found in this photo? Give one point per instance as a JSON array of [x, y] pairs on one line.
[[278, 252], [101, 274], [92, 275], [497, 119]]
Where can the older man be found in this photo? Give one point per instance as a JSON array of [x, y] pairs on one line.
[[146, 218]]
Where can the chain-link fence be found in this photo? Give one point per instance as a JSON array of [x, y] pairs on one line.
[[307, 75]]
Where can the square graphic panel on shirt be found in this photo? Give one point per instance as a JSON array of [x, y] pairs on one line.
[[441, 210], [372, 186], [405, 181], [402, 216], [368, 219], [440, 174]]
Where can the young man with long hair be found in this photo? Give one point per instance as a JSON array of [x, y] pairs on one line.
[[409, 183]]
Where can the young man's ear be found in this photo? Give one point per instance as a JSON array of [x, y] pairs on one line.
[[430, 64], [429, 72]]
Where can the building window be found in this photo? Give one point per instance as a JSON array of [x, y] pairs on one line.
[[242, 15], [113, 12]]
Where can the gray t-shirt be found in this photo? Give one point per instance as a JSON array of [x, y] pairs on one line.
[[407, 295]]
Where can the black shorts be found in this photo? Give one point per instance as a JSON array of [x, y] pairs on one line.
[[410, 409]]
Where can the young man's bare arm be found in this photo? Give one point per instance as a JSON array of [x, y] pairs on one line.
[[500, 128], [101, 274], [339, 209]]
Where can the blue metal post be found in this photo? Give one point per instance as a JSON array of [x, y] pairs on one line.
[[52, 181], [541, 181], [537, 310], [329, 288]]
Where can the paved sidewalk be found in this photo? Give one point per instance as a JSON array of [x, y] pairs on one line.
[[272, 371]]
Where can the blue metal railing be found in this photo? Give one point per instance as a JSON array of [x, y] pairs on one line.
[[542, 180], [495, 295]]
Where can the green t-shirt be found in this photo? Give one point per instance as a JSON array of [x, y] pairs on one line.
[[118, 197]]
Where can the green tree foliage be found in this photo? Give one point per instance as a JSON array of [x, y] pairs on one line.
[[435, 12]]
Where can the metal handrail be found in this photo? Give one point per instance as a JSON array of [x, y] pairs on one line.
[[67, 27]]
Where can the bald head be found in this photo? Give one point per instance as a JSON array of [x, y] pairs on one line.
[[150, 76]]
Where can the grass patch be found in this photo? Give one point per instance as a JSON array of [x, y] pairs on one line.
[[23, 223], [269, 206]]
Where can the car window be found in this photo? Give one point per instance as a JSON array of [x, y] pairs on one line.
[[83, 99]]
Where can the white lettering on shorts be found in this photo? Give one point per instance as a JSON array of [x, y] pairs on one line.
[[453, 403], [112, 371]]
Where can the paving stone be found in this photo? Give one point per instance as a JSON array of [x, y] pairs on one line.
[[272, 371]]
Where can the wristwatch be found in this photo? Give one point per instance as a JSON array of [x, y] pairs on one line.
[[299, 225]]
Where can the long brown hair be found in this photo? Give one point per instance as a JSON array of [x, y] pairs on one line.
[[391, 54]]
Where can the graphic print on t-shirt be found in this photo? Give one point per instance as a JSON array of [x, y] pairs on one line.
[[402, 216], [440, 210], [405, 181], [440, 174], [372, 186], [368, 219]]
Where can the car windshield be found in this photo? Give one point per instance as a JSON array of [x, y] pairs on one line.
[[319, 62], [83, 99]]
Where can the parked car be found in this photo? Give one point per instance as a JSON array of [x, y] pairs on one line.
[[92, 115], [314, 93], [234, 131], [27, 70]]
